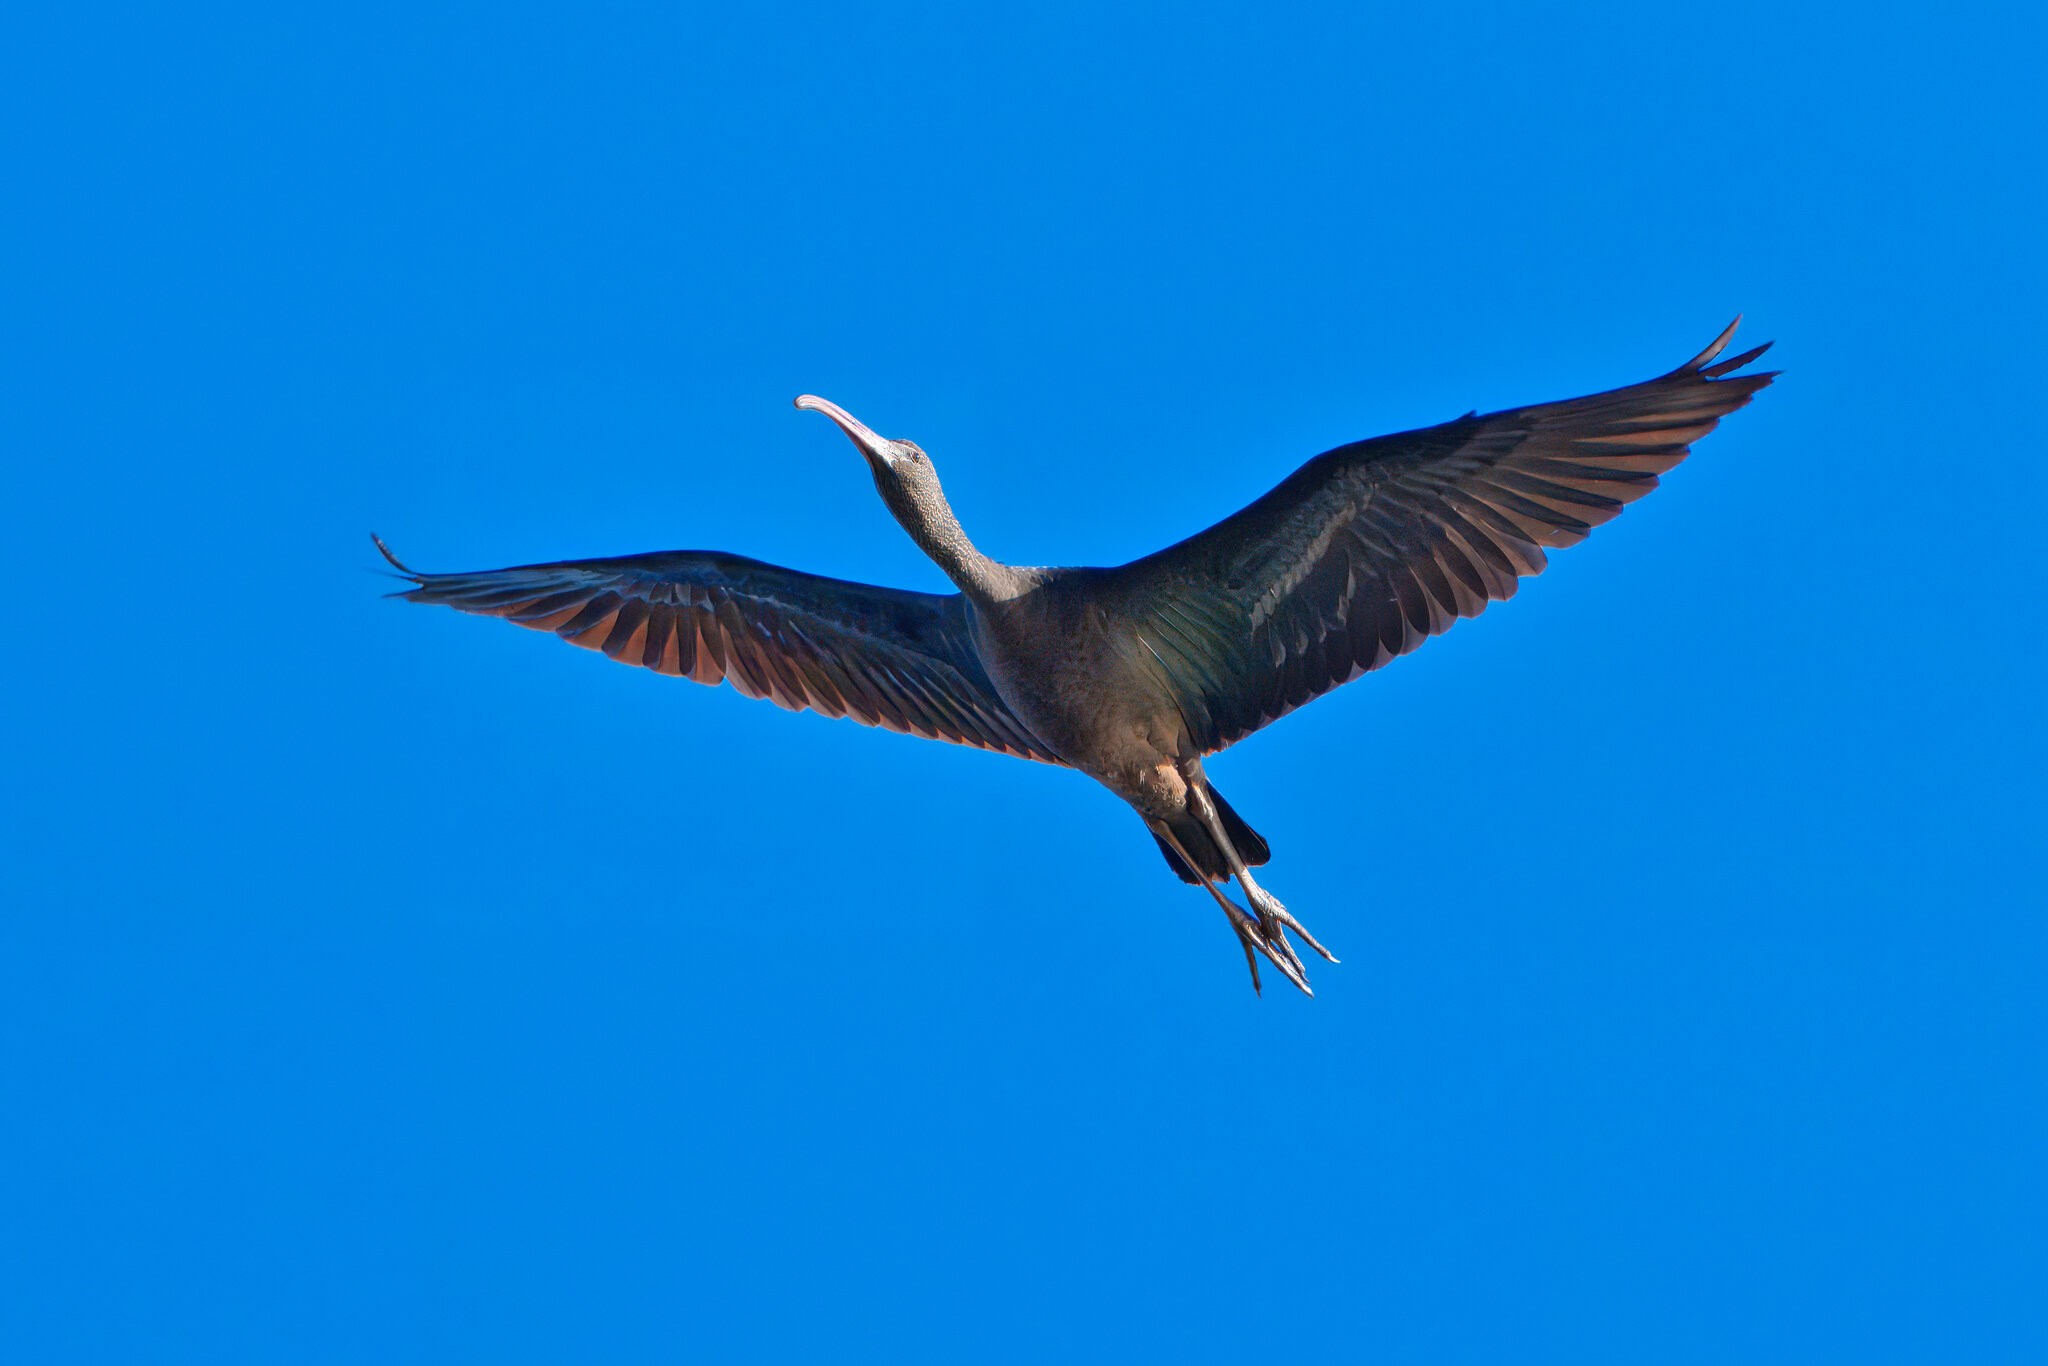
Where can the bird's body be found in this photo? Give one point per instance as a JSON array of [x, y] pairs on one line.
[[1064, 659], [1133, 674]]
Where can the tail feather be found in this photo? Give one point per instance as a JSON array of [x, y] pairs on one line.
[[1250, 845]]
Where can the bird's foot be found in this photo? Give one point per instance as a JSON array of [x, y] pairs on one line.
[[1274, 948], [1275, 920]]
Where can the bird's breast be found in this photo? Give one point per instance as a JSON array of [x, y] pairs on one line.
[[1075, 674]]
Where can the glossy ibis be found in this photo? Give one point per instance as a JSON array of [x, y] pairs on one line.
[[1133, 674]]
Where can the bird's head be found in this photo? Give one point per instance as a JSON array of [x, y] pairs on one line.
[[903, 472], [910, 489]]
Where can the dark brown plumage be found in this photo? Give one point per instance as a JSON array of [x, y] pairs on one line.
[[1133, 674]]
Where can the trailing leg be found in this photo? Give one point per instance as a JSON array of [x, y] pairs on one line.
[[1274, 918], [1251, 934]]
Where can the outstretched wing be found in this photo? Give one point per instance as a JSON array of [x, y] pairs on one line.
[[903, 661], [1370, 549]]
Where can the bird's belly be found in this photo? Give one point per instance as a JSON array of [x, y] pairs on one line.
[[1081, 695]]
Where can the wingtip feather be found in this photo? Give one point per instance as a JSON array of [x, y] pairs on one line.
[[1729, 366], [394, 561], [413, 577], [1714, 348]]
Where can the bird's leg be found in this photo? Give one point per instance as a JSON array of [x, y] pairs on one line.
[[1251, 956], [1248, 931], [1274, 918]]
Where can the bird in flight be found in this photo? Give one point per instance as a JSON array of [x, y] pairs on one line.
[[1134, 674]]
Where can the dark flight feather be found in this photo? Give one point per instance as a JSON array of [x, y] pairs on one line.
[[881, 656]]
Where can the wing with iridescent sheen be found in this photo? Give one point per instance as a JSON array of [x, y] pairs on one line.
[[1372, 548]]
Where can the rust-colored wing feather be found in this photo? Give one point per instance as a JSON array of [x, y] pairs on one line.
[[882, 656], [1370, 549]]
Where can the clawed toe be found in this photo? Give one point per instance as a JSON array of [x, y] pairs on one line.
[[1277, 920], [1275, 933], [1263, 931], [1259, 943]]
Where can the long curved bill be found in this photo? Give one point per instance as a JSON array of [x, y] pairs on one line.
[[873, 447]]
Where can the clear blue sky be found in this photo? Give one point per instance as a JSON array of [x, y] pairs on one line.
[[382, 984]]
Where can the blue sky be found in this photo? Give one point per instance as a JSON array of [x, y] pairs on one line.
[[379, 983]]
